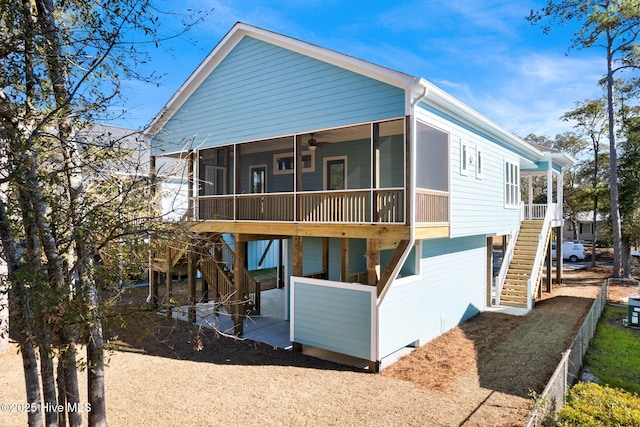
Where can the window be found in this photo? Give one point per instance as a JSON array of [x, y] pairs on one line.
[[479, 165], [258, 177], [464, 158], [286, 163], [511, 184], [335, 173], [432, 153]]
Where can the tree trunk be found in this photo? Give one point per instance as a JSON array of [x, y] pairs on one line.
[[62, 393], [31, 381], [616, 228], [72, 395], [19, 293], [48, 384]]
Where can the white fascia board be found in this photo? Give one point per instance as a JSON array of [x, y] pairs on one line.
[[236, 34], [447, 103]]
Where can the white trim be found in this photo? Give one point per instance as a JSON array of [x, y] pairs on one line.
[[325, 160], [479, 163], [464, 158], [515, 204], [266, 173], [373, 294], [310, 168]]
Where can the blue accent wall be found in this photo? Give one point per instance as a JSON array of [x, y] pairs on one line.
[[260, 90], [450, 290], [334, 319]]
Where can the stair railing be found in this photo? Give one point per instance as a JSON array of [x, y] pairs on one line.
[[506, 260], [249, 284], [543, 240]]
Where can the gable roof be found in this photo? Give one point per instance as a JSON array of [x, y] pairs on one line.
[[411, 84]]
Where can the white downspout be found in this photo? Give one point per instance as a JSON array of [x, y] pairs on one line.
[[412, 189]]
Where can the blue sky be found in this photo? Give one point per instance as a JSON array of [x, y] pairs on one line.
[[483, 52]]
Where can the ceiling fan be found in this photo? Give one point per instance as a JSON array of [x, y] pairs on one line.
[[313, 143]]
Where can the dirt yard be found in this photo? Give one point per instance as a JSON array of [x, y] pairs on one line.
[[169, 373]]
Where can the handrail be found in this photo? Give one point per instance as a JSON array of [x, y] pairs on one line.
[[536, 273], [249, 284], [506, 260]]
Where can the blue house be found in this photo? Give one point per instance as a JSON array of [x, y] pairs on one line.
[[387, 196]]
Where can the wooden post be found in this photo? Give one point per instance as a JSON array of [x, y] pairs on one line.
[[373, 261], [238, 300], [325, 257], [154, 279], [549, 265], [559, 256], [344, 273], [204, 287], [191, 280], [297, 256], [280, 283], [190, 180], [489, 278], [169, 284]]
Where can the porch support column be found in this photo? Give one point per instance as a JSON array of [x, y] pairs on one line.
[[559, 256], [297, 256], [549, 183], [489, 272], [373, 262], [375, 169], [344, 272], [530, 195], [154, 281], [325, 257], [191, 279], [169, 283], [217, 258], [238, 299], [191, 215], [549, 265], [154, 278]]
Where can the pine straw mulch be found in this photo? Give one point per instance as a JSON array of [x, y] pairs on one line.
[[167, 372]]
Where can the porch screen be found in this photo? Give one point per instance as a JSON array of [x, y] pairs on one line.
[[432, 158]]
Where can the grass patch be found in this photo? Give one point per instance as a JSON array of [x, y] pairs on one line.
[[613, 353]]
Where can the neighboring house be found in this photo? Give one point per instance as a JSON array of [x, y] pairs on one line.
[[581, 228], [385, 192]]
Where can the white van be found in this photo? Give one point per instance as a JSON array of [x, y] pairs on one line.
[[573, 250]]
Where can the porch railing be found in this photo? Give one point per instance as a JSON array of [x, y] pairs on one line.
[[343, 206], [538, 211], [432, 206]]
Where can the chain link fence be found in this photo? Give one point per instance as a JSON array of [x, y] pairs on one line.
[[568, 370]]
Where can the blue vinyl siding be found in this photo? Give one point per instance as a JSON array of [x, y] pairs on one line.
[[451, 290], [477, 205], [334, 319], [256, 249], [260, 90]]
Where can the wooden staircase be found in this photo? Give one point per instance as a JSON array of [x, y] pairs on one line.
[[216, 263], [515, 287]]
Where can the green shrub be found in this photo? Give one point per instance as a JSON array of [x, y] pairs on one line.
[[589, 404]]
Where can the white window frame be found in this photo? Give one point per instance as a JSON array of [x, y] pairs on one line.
[[464, 158], [324, 171], [266, 175], [511, 189], [311, 167], [479, 163]]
